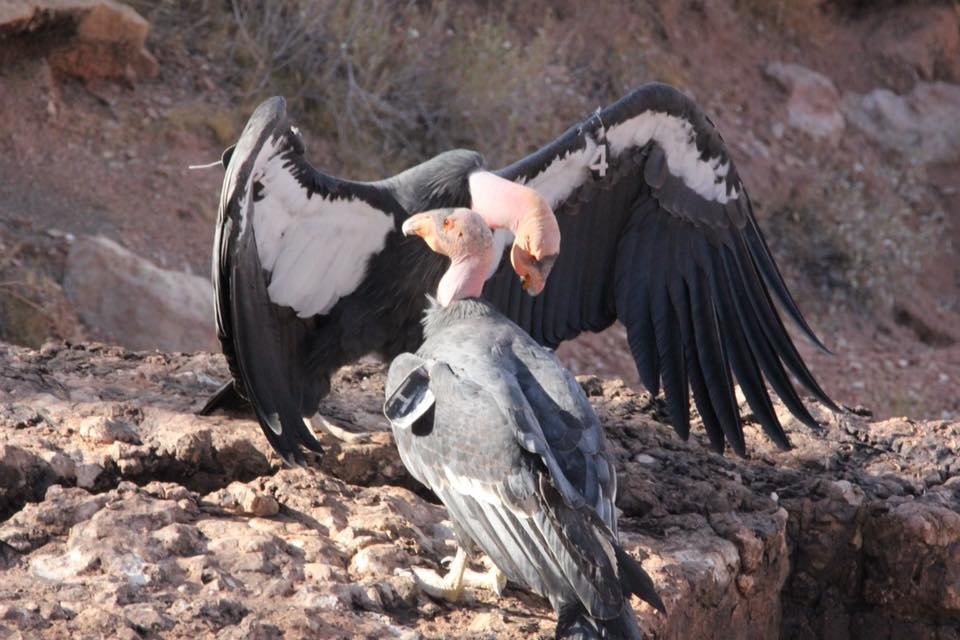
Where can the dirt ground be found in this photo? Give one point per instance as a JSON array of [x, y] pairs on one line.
[[123, 514]]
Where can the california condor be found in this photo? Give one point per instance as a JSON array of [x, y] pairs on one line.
[[311, 272]]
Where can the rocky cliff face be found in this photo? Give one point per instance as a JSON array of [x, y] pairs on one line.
[[126, 515]]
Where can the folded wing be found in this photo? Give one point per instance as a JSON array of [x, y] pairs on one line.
[[291, 242]]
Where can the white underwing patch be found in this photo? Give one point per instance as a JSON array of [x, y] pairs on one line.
[[562, 176], [678, 140], [315, 249], [674, 135]]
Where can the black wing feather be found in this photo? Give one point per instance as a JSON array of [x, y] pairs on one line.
[[667, 329], [252, 332], [261, 333], [684, 267], [742, 360], [759, 328], [713, 364], [633, 301], [281, 359]]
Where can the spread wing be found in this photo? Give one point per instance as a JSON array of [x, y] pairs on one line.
[[658, 232], [290, 243]]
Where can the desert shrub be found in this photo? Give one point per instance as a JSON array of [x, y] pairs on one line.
[[381, 84], [392, 83]]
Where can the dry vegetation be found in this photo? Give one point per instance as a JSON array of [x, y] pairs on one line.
[[389, 83], [853, 245]]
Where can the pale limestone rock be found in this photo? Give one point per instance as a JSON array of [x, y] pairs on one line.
[[923, 125], [813, 105], [103, 430], [240, 498], [136, 303]]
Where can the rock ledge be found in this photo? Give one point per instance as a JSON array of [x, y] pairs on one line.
[[125, 514]]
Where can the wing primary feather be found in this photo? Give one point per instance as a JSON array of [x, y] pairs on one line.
[[669, 341], [762, 349], [765, 263], [275, 403], [633, 302], [741, 358], [709, 361], [699, 387], [714, 361], [771, 325]]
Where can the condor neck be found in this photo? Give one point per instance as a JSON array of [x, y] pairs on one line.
[[500, 202], [464, 279]]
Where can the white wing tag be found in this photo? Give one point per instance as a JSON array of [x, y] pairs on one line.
[[599, 161]]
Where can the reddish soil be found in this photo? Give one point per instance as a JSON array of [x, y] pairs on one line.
[[111, 158]]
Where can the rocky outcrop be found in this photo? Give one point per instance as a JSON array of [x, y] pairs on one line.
[[813, 102], [83, 38], [135, 303], [125, 514], [922, 125]]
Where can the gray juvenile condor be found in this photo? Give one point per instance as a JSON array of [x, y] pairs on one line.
[[495, 426], [312, 272]]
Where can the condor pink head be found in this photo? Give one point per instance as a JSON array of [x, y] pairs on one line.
[[465, 236]]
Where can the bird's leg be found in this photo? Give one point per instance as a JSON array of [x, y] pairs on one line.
[[492, 579], [319, 423], [449, 587]]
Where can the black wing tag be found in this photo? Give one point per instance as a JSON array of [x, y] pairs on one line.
[[411, 400]]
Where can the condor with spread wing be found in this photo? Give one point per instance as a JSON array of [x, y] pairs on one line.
[[312, 272]]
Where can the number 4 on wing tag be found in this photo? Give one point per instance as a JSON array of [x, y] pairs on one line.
[[599, 161]]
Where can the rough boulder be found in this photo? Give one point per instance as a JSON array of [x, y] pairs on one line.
[[88, 39]]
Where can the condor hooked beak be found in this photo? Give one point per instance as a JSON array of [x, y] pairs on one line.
[[418, 225], [533, 273], [425, 226]]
